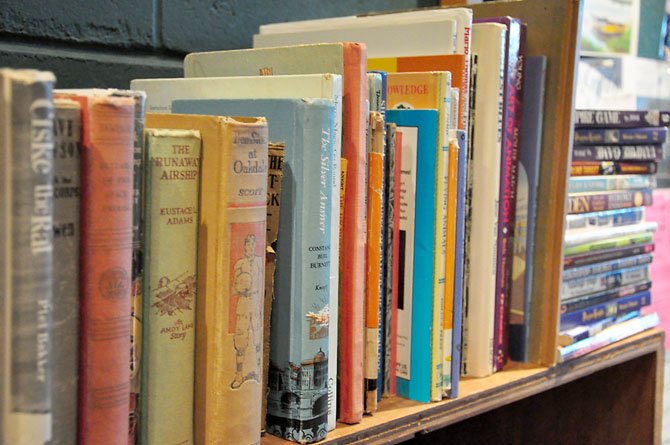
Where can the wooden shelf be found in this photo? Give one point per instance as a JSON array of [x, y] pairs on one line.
[[399, 419]]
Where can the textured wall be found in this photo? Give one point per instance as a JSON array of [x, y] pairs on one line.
[[106, 43]]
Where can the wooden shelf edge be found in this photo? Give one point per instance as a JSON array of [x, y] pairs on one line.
[[399, 419]]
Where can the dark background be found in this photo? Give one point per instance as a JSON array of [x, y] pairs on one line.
[[106, 43]]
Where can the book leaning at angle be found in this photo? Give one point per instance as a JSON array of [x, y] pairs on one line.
[[489, 44], [172, 175], [65, 312], [162, 92], [300, 337], [415, 343], [231, 267], [26, 240], [348, 60]]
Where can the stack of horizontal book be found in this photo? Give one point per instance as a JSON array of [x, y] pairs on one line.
[[608, 242]]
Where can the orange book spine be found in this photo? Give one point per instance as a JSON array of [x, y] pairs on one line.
[[352, 291], [106, 250]]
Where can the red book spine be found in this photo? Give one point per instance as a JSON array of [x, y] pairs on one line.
[[396, 254], [106, 250]]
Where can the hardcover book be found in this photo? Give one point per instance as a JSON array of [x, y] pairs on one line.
[[231, 267], [417, 243], [108, 125], [65, 312], [27, 155], [172, 176], [300, 321], [348, 60]]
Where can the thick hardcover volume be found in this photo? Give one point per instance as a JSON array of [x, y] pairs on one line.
[[417, 244], [231, 269], [597, 153], [600, 220], [275, 165], [575, 304], [375, 261], [604, 281], [613, 243], [489, 42], [106, 251], [599, 312], [26, 150], [521, 293], [435, 93], [393, 156], [509, 161], [297, 338], [581, 184], [453, 312], [612, 168], [605, 255], [172, 175], [598, 136], [350, 60], [611, 200], [622, 119], [65, 351], [609, 336]]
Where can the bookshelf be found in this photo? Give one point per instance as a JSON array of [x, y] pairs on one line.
[[613, 395]]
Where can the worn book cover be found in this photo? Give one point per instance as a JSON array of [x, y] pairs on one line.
[[348, 60], [172, 176], [27, 154], [65, 351], [106, 260], [231, 270], [300, 321]]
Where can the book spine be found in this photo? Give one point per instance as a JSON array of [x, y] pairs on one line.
[[597, 153], [67, 132], [623, 241], [607, 266], [585, 301], [606, 255], [171, 225], [394, 253], [615, 182], [352, 289], [29, 147], [613, 168], [596, 136], [604, 281], [606, 219], [106, 240], [597, 202], [622, 119], [609, 336], [300, 316], [136, 288], [275, 175], [577, 237], [579, 333], [601, 311], [389, 193]]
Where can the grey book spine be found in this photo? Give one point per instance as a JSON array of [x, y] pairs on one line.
[[28, 143], [65, 348]]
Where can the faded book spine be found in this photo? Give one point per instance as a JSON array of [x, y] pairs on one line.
[[276, 161], [106, 240], [67, 131], [172, 170], [392, 172], [597, 202], [28, 135]]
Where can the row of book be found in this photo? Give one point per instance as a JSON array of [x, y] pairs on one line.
[[608, 243]]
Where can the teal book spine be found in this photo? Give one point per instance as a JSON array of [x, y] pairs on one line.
[[172, 176], [299, 376], [417, 243]]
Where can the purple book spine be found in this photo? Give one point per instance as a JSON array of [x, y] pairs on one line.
[[621, 119], [617, 152], [622, 136]]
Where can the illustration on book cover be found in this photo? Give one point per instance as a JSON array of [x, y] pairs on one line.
[[247, 254], [174, 295]]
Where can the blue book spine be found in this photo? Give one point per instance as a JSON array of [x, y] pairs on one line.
[[419, 159], [604, 310], [597, 136], [607, 266], [461, 135], [607, 218], [381, 93], [621, 119], [586, 301], [580, 184]]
